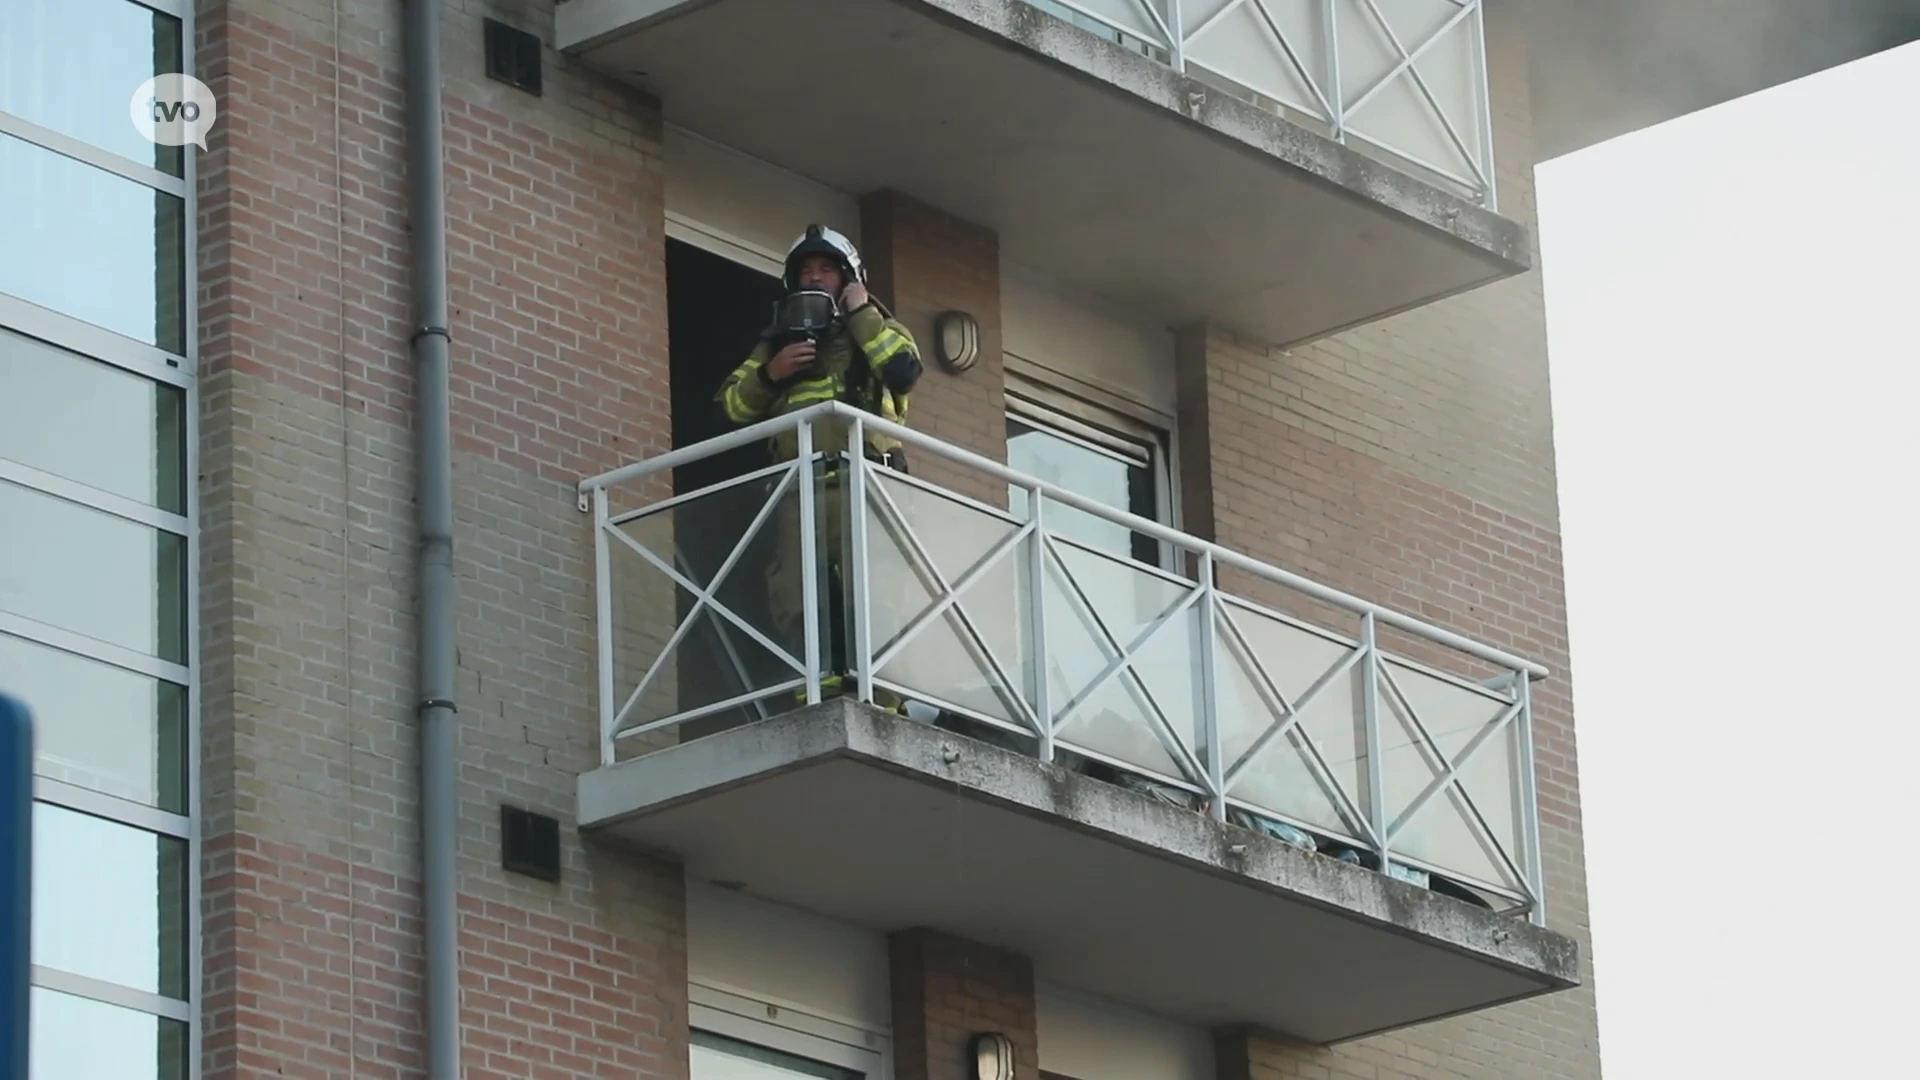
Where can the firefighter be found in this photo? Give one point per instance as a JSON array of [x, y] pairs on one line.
[[829, 340]]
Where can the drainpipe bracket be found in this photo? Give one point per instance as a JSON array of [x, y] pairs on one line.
[[436, 703]]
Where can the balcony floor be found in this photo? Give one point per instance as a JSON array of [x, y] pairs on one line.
[[889, 823], [1093, 164]]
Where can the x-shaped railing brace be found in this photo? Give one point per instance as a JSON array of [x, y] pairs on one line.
[[1450, 774], [948, 599], [1289, 714], [703, 599]]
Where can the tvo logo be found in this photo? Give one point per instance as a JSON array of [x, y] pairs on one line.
[[173, 110], [167, 112]]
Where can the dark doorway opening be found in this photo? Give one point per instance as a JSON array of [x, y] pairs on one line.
[[716, 309]]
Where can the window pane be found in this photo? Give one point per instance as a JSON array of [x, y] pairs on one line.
[[77, 1039], [133, 440], [103, 248], [101, 727], [109, 901], [72, 65], [716, 1057], [92, 573], [1084, 471]]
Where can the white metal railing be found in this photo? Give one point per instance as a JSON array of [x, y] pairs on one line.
[[1404, 77], [1075, 654]]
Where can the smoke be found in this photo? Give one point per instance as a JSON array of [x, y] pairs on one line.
[[1605, 67]]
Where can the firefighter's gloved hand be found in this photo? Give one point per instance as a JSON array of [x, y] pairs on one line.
[[790, 360], [854, 298]]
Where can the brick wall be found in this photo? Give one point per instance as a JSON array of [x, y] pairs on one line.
[[1454, 392], [1193, 432], [1410, 463], [944, 990], [1366, 461], [556, 245], [923, 262]]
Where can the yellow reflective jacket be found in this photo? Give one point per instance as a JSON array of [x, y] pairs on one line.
[[749, 395]]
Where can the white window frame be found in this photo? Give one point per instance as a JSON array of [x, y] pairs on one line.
[[1075, 402], [789, 1029], [718, 241], [180, 370]]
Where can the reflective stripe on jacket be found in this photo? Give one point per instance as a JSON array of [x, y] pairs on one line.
[[748, 396]]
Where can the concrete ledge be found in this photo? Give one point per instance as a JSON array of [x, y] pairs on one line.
[[1239, 122], [1092, 164], [891, 823]]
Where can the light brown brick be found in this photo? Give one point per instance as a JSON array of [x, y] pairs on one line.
[[945, 989]]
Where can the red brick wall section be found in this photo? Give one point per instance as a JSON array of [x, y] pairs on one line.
[[922, 262], [329, 983], [555, 250], [544, 997], [1194, 449], [557, 265], [946, 989], [312, 951]]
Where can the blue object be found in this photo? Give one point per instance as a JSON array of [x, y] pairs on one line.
[[16, 883]]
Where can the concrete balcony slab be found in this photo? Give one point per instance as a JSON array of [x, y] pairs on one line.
[[890, 823], [1094, 164]]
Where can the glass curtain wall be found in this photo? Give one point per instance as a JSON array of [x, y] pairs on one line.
[[97, 544]]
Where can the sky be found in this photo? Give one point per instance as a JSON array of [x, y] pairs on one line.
[[1731, 307]]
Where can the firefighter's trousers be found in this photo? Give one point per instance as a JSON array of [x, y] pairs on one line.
[[833, 558]]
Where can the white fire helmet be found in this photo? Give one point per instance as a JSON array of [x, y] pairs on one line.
[[820, 240]]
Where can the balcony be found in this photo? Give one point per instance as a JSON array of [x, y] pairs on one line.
[[1153, 779], [1285, 170]]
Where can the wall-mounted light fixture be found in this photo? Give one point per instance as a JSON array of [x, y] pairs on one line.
[[990, 1056], [956, 340]]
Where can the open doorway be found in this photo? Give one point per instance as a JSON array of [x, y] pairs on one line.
[[716, 309]]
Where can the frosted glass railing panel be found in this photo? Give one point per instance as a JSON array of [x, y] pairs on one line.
[[1108, 617], [1438, 729], [1002, 626], [704, 607], [1269, 669], [925, 551], [1403, 80]]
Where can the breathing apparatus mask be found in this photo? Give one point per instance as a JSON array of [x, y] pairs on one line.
[[803, 315]]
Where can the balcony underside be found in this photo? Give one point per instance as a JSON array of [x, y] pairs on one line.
[[1094, 164], [890, 823]]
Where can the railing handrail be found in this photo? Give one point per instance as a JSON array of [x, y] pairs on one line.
[[1178, 36], [1146, 526]]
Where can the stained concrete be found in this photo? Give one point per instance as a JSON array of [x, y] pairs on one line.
[[1093, 164], [890, 823]]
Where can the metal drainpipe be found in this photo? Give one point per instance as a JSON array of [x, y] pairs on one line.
[[435, 630]]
